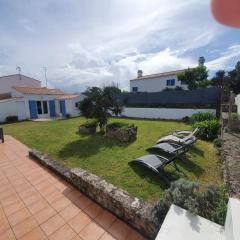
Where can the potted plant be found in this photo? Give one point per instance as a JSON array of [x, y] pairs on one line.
[[89, 127]]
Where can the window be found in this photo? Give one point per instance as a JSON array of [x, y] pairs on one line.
[[171, 82], [135, 89], [39, 107], [76, 105], [45, 107]]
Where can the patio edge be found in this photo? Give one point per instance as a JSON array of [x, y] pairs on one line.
[[138, 214]]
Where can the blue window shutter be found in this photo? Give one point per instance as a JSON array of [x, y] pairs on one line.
[[52, 108], [63, 107], [173, 82], [33, 109]]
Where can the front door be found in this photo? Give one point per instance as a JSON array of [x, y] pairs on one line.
[[42, 109], [62, 108]]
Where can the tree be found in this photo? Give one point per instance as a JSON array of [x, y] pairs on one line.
[[234, 79], [100, 103], [220, 79], [195, 77]]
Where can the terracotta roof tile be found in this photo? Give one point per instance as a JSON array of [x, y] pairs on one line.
[[41, 91], [68, 96]]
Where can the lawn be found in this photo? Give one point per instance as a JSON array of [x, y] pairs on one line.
[[109, 159]]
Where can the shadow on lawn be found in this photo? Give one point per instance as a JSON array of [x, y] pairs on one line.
[[88, 146]]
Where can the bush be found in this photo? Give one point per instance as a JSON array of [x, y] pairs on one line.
[[208, 129], [115, 125], [90, 123], [218, 142], [210, 203], [11, 119], [186, 119], [235, 116], [68, 115], [202, 116]]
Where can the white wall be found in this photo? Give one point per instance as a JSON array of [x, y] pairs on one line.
[[71, 105], [237, 102], [12, 107], [162, 113], [7, 82], [155, 84]]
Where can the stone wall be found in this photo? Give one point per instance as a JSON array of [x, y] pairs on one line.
[[140, 215], [122, 134]]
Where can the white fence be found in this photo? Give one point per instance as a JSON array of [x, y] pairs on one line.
[[162, 113]]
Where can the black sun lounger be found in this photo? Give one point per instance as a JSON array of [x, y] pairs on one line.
[[171, 148], [155, 163], [1, 135]]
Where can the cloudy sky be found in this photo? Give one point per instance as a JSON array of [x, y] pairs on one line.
[[96, 42]]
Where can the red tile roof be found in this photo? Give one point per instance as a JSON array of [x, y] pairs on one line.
[[68, 96], [41, 91], [158, 75]]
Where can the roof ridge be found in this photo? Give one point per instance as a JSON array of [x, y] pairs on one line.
[[20, 75]]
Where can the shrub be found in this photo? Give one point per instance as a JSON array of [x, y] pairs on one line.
[[119, 125], [90, 123], [208, 129], [210, 203], [186, 119], [11, 119], [202, 116], [218, 142], [68, 115], [235, 116]]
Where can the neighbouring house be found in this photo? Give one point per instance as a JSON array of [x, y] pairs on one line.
[[156, 82], [24, 97], [160, 81]]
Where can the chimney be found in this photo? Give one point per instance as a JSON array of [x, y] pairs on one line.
[[139, 73], [201, 61]]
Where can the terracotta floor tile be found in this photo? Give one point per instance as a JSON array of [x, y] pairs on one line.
[[29, 199], [2, 214], [10, 200], [91, 232], [43, 215], [6, 193], [77, 238], [135, 236], [120, 230], [69, 212], [34, 234], [10, 209], [105, 219], [63, 233], [53, 196], [4, 225], [52, 224], [60, 203], [43, 185], [93, 210], [37, 206], [80, 221], [24, 227], [27, 192], [82, 202], [73, 195], [46, 191], [18, 216], [7, 235], [107, 236]]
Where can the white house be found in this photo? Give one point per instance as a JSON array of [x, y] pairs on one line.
[[156, 82], [24, 97]]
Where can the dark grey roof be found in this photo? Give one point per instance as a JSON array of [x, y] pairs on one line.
[[199, 97]]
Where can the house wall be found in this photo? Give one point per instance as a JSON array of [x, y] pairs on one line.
[[155, 84], [12, 107], [162, 113], [237, 102], [7, 82], [71, 105]]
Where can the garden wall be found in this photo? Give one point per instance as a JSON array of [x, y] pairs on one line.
[[162, 113], [140, 215]]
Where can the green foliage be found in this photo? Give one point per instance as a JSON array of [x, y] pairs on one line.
[[235, 116], [194, 77], [201, 116], [119, 125], [218, 142], [220, 79], [100, 104], [90, 123], [208, 129], [211, 203], [11, 119]]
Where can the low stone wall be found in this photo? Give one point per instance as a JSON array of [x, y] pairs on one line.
[[122, 134], [135, 212]]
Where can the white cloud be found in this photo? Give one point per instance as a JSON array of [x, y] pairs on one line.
[[85, 43]]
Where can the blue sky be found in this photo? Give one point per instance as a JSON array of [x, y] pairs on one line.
[[90, 42]]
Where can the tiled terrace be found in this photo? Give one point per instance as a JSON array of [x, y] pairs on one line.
[[36, 204]]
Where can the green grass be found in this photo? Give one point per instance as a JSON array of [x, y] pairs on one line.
[[109, 159]]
